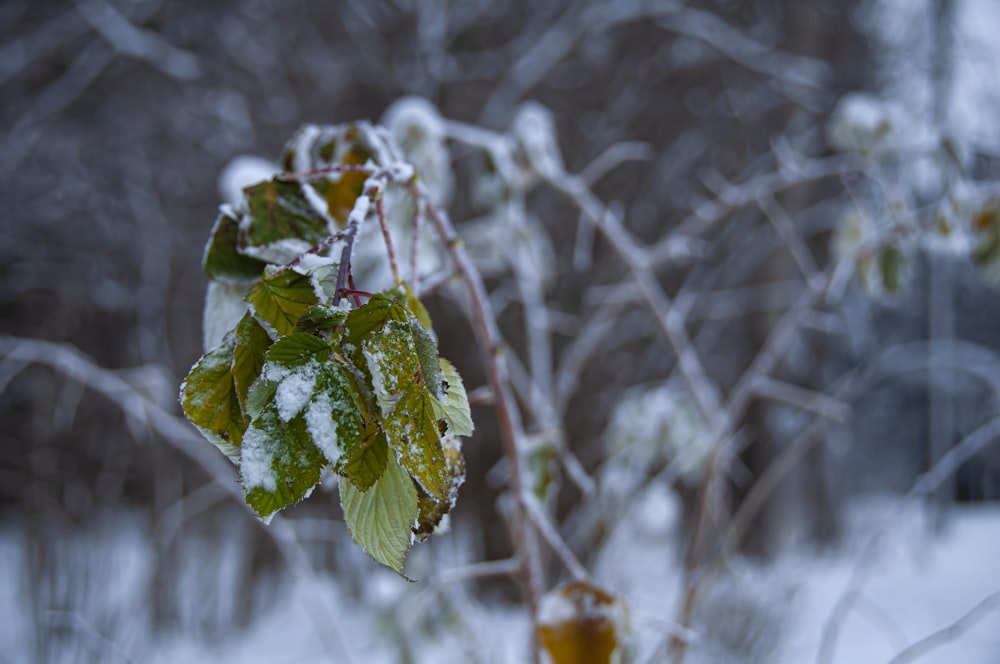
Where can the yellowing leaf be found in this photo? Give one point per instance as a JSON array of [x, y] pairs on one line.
[[580, 623], [433, 510], [280, 211]]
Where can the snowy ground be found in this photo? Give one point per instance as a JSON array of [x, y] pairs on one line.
[[916, 579]]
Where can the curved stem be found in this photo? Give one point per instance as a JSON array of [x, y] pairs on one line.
[[508, 417]]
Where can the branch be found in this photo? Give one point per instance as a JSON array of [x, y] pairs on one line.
[[949, 633], [670, 321], [138, 43], [508, 418]]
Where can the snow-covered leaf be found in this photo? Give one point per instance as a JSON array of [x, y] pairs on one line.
[[279, 464], [315, 147], [406, 405]]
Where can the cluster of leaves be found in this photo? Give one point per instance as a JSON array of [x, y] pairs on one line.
[[298, 385]]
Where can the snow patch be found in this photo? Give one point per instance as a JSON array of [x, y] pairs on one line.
[[255, 462], [294, 391], [244, 171], [322, 427]]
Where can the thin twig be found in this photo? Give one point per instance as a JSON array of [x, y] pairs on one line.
[[508, 418], [548, 531], [950, 633], [809, 400], [387, 237]]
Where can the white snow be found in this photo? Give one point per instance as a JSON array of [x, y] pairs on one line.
[[244, 171], [534, 130], [295, 390], [920, 581], [362, 205], [417, 127], [279, 252], [255, 461], [322, 427]]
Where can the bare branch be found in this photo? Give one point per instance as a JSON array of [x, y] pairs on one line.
[[816, 402], [949, 633], [138, 43]]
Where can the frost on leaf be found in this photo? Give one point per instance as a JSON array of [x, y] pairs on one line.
[[406, 405], [292, 385], [381, 517], [222, 260], [432, 511], [224, 307], [321, 318], [366, 461], [279, 464], [280, 299], [316, 147], [280, 211], [210, 400]]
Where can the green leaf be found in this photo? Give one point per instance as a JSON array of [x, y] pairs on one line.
[[251, 347], [406, 405], [368, 320], [336, 417], [209, 399], [427, 354], [891, 264], [454, 403], [279, 464], [260, 394], [280, 299], [298, 349], [380, 311], [380, 518], [278, 211], [412, 430], [366, 462], [321, 318], [221, 260]]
